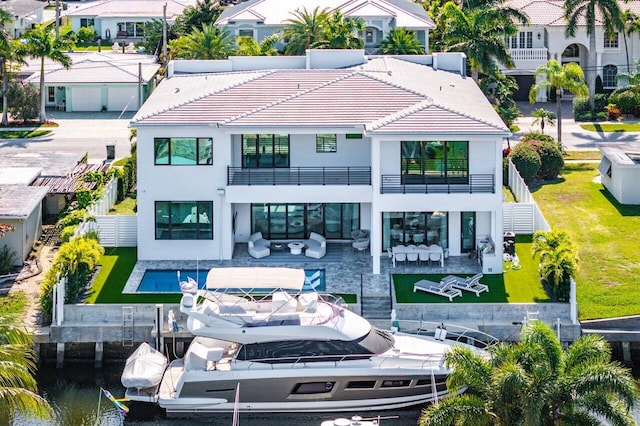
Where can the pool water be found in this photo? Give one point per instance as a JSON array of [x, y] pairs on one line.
[[167, 281]]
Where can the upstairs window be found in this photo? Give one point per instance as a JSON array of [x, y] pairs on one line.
[[611, 41], [326, 143], [183, 151]]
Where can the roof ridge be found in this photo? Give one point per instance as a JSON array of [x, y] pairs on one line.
[[289, 97], [389, 72], [197, 98]]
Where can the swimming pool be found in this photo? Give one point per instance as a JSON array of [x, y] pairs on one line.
[[166, 280]]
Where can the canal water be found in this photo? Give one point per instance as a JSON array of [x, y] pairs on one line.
[[74, 392]]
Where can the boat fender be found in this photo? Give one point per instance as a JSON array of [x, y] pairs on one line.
[[171, 319]]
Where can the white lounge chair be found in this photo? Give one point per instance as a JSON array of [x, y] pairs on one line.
[[467, 284], [441, 289]]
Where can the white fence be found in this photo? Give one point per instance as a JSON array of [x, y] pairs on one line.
[[108, 199], [117, 231], [523, 217]]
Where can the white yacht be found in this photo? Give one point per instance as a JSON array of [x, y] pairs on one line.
[[288, 351]]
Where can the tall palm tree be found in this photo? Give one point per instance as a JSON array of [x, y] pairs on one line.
[[558, 259], [18, 387], [559, 77], [606, 11], [535, 382], [41, 42], [305, 30], [248, 46], [9, 52], [629, 24], [208, 42], [401, 41], [341, 32], [480, 34], [543, 117]]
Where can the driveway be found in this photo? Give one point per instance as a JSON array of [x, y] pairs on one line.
[[574, 137]]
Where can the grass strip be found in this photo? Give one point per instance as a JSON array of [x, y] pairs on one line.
[[611, 127], [22, 134]]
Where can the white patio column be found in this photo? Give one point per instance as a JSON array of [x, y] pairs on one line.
[[376, 225]]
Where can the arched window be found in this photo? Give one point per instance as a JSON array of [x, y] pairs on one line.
[[609, 73]]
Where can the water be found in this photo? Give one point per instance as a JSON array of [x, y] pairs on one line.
[[167, 281], [74, 392]]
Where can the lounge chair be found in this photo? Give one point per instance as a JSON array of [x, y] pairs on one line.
[[467, 284], [441, 289]]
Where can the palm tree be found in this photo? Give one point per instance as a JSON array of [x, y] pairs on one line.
[[629, 24], [18, 387], [480, 34], [401, 41], [535, 382], [558, 259], [210, 42], [41, 42], [559, 77], [9, 52], [630, 77], [305, 30], [341, 32], [248, 46], [543, 117], [606, 11]]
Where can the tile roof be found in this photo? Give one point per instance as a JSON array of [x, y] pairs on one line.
[[139, 8], [551, 12], [19, 201], [278, 12], [21, 7], [384, 95]]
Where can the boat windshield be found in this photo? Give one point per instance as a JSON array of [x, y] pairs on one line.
[[375, 342]]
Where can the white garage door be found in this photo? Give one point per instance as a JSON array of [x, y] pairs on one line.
[[86, 98], [119, 98]]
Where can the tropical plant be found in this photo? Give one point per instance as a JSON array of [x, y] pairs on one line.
[[630, 77], [248, 46], [18, 387], [607, 13], [341, 32], [480, 34], [204, 12], [86, 35], [10, 52], [559, 77], [499, 89], [401, 41], [23, 100], [210, 42], [558, 260], [526, 160], [629, 23], [543, 117], [41, 42], [6, 259], [536, 382], [305, 30]]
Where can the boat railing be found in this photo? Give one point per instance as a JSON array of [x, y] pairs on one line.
[[448, 332]]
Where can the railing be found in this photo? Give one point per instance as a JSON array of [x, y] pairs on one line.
[[421, 184], [455, 333], [538, 54], [300, 176]]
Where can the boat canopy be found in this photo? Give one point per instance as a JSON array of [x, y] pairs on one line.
[[256, 278]]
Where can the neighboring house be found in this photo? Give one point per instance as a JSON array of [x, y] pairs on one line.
[[26, 14], [261, 18], [620, 170], [408, 148], [21, 207], [543, 39], [98, 81], [123, 19]]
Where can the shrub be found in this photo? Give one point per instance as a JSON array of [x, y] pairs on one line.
[[526, 160], [6, 259], [537, 136], [627, 99], [600, 101], [74, 218], [505, 171], [589, 116], [551, 158], [86, 35], [580, 105], [84, 197], [67, 233], [23, 101], [613, 112]]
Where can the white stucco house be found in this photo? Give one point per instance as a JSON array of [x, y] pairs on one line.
[[620, 170], [544, 38], [123, 19], [406, 147], [26, 14], [261, 18], [109, 81]]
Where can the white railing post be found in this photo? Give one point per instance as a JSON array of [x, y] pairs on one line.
[[60, 300], [573, 301]]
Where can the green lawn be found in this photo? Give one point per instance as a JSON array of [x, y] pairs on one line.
[[22, 134], [125, 207], [607, 235], [612, 127], [514, 286], [582, 155]]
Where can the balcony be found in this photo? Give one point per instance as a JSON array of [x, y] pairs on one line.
[[526, 57], [300, 176], [421, 184]]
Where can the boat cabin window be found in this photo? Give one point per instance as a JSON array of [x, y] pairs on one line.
[[396, 383], [362, 384], [313, 387]]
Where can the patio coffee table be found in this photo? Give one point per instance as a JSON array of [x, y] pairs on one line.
[[296, 247]]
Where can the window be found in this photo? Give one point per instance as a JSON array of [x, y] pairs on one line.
[[368, 36], [609, 73], [326, 143], [415, 228], [265, 151], [51, 94], [526, 39], [87, 22], [245, 33], [362, 384], [130, 29], [183, 151], [611, 41], [353, 136], [434, 162], [396, 383], [311, 388], [184, 220]]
